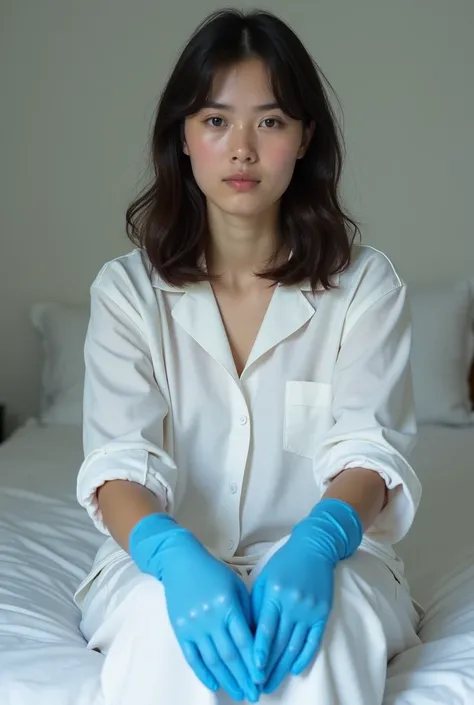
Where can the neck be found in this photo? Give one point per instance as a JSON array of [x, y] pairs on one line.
[[239, 248]]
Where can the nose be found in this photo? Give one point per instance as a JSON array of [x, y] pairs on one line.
[[242, 147]]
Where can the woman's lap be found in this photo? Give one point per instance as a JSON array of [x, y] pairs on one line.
[[372, 620]]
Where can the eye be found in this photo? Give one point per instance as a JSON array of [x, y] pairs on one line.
[[272, 123], [215, 121]]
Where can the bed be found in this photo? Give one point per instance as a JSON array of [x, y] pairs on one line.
[[47, 544]]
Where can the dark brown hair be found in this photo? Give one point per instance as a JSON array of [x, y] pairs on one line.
[[168, 220]]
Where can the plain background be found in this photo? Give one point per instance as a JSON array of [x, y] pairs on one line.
[[79, 82]]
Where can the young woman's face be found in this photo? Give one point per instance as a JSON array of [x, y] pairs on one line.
[[242, 147]]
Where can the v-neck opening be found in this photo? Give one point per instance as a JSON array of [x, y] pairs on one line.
[[199, 314], [239, 376]]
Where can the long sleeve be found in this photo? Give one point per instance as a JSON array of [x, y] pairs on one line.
[[373, 409], [124, 408]]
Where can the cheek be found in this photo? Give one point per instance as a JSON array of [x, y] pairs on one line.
[[281, 162], [283, 156], [206, 160], [204, 148]]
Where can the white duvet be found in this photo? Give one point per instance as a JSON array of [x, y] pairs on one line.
[[47, 544]]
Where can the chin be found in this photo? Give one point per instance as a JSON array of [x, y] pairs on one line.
[[244, 208], [244, 212]]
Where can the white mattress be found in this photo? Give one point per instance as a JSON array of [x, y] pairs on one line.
[[47, 544]]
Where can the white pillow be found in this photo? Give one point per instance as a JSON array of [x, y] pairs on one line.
[[62, 328], [442, 352], [443, 348]]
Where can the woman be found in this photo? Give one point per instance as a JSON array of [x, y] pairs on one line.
[[248, 406]]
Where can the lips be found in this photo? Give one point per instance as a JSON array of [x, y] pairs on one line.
[[241, 182], [241, 177]]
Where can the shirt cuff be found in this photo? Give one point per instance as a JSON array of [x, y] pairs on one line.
[[404, 488], [135, 465]]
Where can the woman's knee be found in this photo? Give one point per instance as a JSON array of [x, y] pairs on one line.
[[360, 585], [370, 606], [365, 576], [123, 593], [144, 609]]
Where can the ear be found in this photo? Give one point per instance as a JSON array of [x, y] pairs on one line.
[[183, 140], [308, 133]]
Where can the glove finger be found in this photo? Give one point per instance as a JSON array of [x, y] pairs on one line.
[[245, 602], [297, 641], [311, 647], [267, 628], [257, 599], [232, 658], [219, 670], [280, 644], [193, 657], [242, 637], [288, 658]]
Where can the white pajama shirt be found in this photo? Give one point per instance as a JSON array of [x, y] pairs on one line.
[[239, 461]]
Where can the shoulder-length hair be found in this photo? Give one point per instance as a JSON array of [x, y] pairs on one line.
[[169, 219]]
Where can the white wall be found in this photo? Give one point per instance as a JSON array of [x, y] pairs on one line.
[[79, 82]]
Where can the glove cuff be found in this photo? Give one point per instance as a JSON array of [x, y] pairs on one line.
[[147, 539], [338, 527]]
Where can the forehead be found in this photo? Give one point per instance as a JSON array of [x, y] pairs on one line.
[[247, 81]]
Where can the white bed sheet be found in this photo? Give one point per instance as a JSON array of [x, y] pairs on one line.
[[47, 544]]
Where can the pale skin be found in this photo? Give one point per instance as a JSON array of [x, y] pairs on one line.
[[248, 135]]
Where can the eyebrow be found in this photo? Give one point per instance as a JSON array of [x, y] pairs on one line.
[[224, 106]]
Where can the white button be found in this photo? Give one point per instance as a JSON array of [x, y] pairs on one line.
[[233, 487], [230, 545], [243, 420]]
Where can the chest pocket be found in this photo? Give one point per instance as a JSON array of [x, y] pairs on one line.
[[308, 416]]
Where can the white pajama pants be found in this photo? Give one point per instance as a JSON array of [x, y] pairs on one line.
[[124, 616]]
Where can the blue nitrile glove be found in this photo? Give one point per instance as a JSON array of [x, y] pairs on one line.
[[292, 596], [208, 604]]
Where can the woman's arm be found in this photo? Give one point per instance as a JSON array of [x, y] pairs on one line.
[[122, 505], [124, 411], [363, 489], [374, 412]]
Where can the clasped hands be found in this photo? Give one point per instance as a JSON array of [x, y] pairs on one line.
[[249, 643]]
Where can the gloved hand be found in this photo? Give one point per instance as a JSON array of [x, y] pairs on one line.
[[208, 604], [292, 596]]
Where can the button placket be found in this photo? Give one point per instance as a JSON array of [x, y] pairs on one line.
[[238, 453]]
